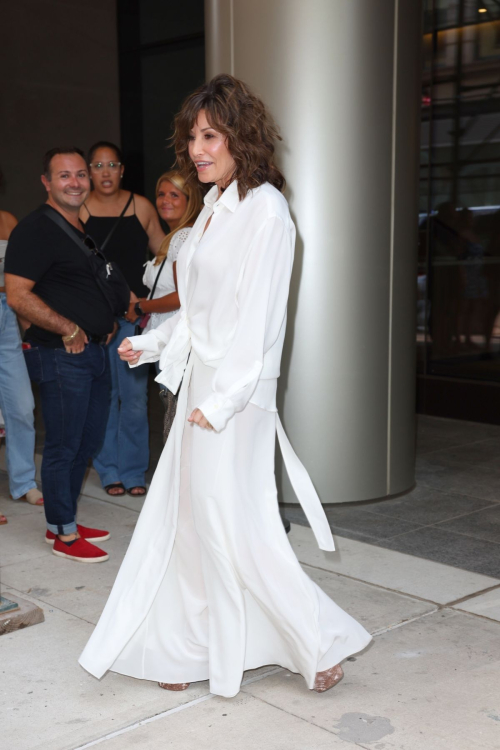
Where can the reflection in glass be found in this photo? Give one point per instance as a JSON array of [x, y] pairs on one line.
[[458, 314]]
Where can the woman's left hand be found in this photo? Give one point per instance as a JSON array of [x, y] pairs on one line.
[[198, 418], [131, 315], [127, 354]]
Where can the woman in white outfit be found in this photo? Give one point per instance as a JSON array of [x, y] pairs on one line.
[[210, 586]]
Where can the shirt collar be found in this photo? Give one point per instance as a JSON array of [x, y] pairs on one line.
[[229, 198]]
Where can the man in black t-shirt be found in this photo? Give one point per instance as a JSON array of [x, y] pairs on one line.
[[50, 285]]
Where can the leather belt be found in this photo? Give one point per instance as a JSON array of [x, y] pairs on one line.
[[95, 339]]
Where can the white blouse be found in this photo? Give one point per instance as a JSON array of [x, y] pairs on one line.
[[166, 282], [233, 283]]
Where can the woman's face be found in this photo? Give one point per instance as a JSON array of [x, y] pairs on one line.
[[170, 202], [209, 152], [106, 171]]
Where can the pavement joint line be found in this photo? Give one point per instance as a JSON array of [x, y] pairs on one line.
[[472, 596], [110, 502], [170, 711], [374, 585], [397, 625], [462, 533], [426, 526], [460, 445], [454, 491], [21, 562], [475, 614], [493, 504], [307, 721], [377, 541], [404, 593], [34, 599]]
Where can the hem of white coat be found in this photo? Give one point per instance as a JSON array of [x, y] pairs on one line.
[[96, 671]]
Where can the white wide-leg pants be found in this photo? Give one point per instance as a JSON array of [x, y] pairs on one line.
[[234, 596]]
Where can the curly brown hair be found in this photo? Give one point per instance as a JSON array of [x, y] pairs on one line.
[[237, 113]]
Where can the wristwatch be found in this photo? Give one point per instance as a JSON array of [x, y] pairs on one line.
[[138, 309]]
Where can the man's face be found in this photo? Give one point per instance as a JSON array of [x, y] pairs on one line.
[[69, 183]]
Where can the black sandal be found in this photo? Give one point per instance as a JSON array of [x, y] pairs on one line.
[[136, 494], [116, 486]]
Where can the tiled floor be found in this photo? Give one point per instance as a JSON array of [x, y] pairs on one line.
[[453, 514]]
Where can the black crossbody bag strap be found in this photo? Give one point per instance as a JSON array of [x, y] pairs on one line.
[[56, 217], [115, 225], [151, 293], [108, 277]]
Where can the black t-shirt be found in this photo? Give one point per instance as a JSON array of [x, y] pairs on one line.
[[39, 250], [127, 247]]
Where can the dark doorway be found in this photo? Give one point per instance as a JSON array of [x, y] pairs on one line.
[[162, 59]]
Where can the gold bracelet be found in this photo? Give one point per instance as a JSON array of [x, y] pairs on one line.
[[69, 338]]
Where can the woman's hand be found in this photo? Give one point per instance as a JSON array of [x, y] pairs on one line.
[[198, 418], [126, 353], [131, 315]]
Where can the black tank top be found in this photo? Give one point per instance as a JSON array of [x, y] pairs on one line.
[[127, 247]]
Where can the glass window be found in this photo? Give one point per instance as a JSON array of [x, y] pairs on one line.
[[458, 314]]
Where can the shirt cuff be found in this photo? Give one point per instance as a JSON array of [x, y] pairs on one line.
[[217, 410], [145, 343], [149, 346]]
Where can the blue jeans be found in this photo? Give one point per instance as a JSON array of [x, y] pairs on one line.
[[16, 403], [124, 456], [74, 392]]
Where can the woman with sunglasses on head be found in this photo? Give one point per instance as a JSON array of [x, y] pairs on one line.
[[210, 586], [178, 202], [125, 226]]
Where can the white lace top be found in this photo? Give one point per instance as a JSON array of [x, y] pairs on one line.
[[166, 284]]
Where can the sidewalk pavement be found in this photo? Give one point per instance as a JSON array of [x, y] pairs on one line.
[[429, 681]]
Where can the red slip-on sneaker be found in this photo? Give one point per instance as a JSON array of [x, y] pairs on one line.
[[80, 551], [91, 535]]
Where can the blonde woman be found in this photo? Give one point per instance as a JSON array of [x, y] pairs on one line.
[[178, 203]]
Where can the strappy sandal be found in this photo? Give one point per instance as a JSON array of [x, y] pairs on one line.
[[136, 494], [33, 497], [3, 520], [327, 679], [115, 486], [174, 686]]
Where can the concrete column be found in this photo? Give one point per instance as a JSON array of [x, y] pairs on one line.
[[341, 77]]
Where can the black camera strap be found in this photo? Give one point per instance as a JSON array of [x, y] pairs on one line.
[[56, 217]]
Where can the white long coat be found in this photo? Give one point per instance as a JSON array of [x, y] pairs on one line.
[[210, 586]]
